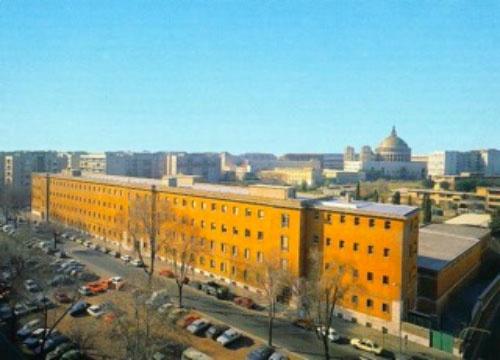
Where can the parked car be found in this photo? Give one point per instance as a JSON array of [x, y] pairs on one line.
[[31, 286], [28, 328], [72, 355], [217, 290], [43, 302], [79, 308], [126, 258], [51, 343], [261, 353], [96, 310], [229, 336], [63, 298], [244, 302], [214, 331], [20, 309], [278, 356], [195, 284], [85, 291], [60, 350], [167, 273], [198, 326], [137, 263], [332, 334], [366, 345], [188, 320], [306, 324]]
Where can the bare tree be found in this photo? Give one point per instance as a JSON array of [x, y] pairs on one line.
[[145, 214], [180, 246], [12, 200], [274, 279], [86, 338], [325, 287]]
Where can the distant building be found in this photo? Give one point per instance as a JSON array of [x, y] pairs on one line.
[[484, 162], [343, 177], [326, 161], [93, 163], [206, 165], [391, 159], [309, 176], [136, 164], [448, 256]]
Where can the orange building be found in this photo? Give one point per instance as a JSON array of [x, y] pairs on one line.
[[236, 228]]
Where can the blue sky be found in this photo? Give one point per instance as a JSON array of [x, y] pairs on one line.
[[271, 76]]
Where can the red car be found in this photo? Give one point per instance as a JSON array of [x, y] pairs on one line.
[[167, 272], [62, 298], [188, 319], [244, 302]]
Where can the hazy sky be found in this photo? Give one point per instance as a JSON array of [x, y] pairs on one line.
[[270, 76]]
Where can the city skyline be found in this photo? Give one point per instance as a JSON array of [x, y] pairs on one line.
[[248, 78]]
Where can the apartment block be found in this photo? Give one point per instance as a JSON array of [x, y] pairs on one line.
[[238, 228], [484, 162], [206, 165], [93, 163]]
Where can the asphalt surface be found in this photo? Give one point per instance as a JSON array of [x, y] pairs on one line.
[[285, 335]]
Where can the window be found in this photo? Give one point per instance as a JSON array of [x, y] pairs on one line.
[[235, 230], [370, 249], [235, 210], [248, 212], [356, 220], [341, 244], [387, 225], [245, 274], [223, 208], [213, 226], [260, 214], [385, 307], [342, 219], [233, 270], [212, 263], [184, 202], [354, 299], [369, 303], [234, 250], [327, 266], [328, 218], [355, 273], [260, 257], [203, 205], [284, 264], [223, 228], [222, 267], [386, 252], [369, 276], [260, 235], [202, 224], [213, 206], [193, 204], [371, 222], [385, 280], [316, 215], [212, 244], [285, 220], [355, 246], [328, 241], [223, 247], [247, 254], [247, 233], [315, 239], [284, 243]]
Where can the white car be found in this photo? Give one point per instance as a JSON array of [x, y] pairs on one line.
[[116, 280], [31, 286], [366, 345], [137, 263], [126, 258], [198, 326], [332, 334], [165, 308], [96, 310], [228, 337]]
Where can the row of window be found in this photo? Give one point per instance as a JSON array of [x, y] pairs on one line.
[[223, 268], [328, 218], [370, 249], [369, 275], [369, 303]]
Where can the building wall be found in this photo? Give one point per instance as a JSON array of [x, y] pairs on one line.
[[233, 232], [94, 163], [371, 246], [293, 176]]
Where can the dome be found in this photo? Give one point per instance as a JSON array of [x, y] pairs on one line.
[[393, 148], [393, 141]]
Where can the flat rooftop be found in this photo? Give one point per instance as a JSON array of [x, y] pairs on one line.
[[481, 220], [367, 207], [441, 244]]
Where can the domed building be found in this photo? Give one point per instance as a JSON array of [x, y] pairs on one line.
[[392, 159], [393, 148]]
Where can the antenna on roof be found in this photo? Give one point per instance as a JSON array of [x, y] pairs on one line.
[[393, 132]]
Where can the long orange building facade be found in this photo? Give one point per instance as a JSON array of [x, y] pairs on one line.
[[237, 228]]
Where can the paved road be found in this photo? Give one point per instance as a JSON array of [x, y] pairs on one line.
[[294, 339]]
